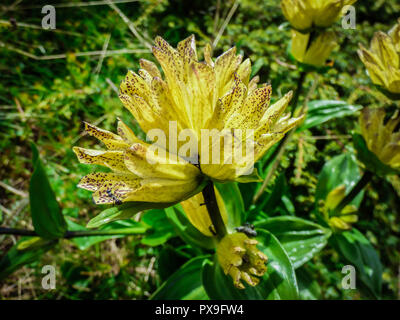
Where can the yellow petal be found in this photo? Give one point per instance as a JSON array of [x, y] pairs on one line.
[[111, 159], [150, 67], [141, 161], [272, 114], [111, 140], [126, 133], [197, 213], [335, 196], [116, 191], [338, 223], [225, 66], [187, 49], [93, 181]]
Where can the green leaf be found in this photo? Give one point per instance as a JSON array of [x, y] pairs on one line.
[[309, 288], [321, 111], [16, 258], [301, 239], [234, 205], [47, 219], [279, 282], [358, 251], [271, 201], [340, 170], [184, 284], [124, 211], [369, 159], [171, 258], [83, 243], [186, 230], [161, 228]]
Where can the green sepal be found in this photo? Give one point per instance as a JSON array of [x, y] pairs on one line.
[[253, 177], [124, 211]]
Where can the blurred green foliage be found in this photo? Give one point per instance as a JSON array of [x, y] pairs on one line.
[[45, 100]]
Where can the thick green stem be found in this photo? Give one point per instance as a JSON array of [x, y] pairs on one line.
[[365, 179], [213, 210], [76, 234]]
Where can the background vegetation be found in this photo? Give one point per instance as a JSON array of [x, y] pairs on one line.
[[48, 88]]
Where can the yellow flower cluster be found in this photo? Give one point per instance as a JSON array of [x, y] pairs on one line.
[[383, 59], [380, 136], [306, 14], [309, 45], [192, 95], [239, 257], [344, 219]]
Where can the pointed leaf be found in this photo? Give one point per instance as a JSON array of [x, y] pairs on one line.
[[184, 284], [47, 218], [301, 239]]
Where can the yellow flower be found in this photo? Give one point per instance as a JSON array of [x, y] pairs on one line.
[[217, 97], [315, 53], [197, 213], [305, 14], [239, 257], [380, 136], [383, 60], [342, 220]]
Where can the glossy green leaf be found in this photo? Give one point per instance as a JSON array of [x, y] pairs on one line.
[[278, 283], [309, 288], [47, 219], [301, 239], [340, 170], [16, 258], [129, 226], [184, 284], [369, 159], [161, 228], [358, 251], [233, 201], [124, 211], [186, 230], [321, 111]]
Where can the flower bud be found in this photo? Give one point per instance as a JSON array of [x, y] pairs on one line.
[[239, 257]]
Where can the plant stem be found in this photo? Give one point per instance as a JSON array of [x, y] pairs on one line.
[[76, 234], [213, 210], [300, 83], [18, 232], [365, 179]]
